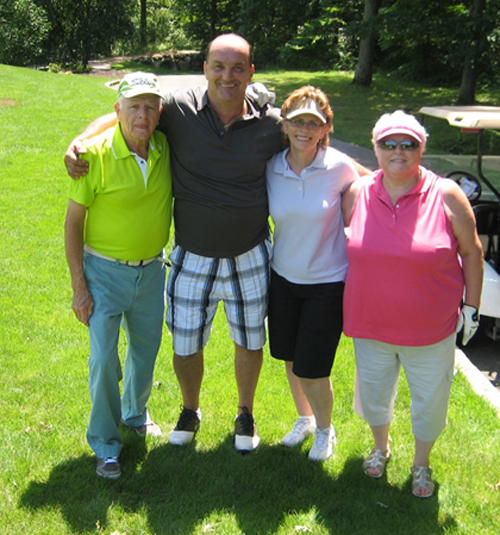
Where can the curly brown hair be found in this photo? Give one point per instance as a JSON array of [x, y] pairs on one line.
[[298, 97]]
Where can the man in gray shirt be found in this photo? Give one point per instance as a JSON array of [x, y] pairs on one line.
[[220, 142]]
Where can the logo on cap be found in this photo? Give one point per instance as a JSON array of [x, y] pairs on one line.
[[139, 83]]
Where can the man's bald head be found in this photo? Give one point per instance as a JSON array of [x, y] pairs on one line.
[[231, 40]]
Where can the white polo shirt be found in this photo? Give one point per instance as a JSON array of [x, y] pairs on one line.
[[309, 239]]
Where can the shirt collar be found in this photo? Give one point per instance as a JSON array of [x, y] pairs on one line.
[[281, 164], [420, 188], [119, 146], [202, 101]]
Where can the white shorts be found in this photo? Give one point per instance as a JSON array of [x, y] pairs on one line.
[[429, 371]]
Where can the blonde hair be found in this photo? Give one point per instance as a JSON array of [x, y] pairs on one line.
[[298, 97]]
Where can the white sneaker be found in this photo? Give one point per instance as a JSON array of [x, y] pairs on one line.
[[324, 440], [302, 428]]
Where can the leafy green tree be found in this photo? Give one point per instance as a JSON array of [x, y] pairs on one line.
[[449, 42], [165, 26], [300, 33], [477, 46], [316, 40], [269, 25], [23, 28], [415, 38], [205, 19], [85, 29]]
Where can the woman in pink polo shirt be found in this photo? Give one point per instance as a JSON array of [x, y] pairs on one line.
[[414, 255]]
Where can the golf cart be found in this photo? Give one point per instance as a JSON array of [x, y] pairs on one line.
[[483, 194]]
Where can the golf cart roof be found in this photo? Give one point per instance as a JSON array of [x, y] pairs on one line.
[[468, 117]]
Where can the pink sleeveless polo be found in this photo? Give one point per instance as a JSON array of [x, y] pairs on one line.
[[405, 282]]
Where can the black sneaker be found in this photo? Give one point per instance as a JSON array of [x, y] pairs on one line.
[[187, 425], [246, 437]]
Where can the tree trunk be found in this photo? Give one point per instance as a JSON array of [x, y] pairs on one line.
[[364, 66], [213, 20], [467, 94], [143, 24]]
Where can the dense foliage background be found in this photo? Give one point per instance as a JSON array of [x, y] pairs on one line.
[[447, 42]]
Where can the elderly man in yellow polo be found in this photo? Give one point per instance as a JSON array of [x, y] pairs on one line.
[[116, 227]]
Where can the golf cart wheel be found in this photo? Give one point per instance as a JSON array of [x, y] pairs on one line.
[[469, 184]]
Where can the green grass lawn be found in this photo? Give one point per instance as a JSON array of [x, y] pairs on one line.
[[47, 478]]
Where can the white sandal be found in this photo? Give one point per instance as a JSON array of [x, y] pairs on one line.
[[422, 481], [376, 462]]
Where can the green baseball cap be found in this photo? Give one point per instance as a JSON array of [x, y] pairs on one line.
[[139, 83]]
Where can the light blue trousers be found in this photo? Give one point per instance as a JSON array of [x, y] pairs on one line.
[[133, 297]]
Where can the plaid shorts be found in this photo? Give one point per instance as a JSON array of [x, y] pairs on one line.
[[195, 286]]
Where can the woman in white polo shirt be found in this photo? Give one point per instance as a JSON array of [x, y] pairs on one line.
[[305, 184]]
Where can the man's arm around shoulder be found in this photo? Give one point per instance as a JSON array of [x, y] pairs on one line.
[[75, 166]]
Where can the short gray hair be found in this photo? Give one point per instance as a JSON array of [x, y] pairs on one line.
[[122, 100]]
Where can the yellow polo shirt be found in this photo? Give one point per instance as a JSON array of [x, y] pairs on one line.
[[127, 218]]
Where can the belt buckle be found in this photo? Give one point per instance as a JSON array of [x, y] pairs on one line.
[[137, 263]]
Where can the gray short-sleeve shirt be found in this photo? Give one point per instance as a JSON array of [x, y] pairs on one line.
[[218, 174]]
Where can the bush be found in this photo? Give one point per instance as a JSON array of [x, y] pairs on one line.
[[23, 28], [54, 67], [79, 68]]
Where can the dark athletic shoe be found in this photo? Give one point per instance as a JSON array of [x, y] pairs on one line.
[[187, 426], [109, 468], [246, 437]]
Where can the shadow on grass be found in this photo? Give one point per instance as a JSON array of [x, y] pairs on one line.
[[180, 489]]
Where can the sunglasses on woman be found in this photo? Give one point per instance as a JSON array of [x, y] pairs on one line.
[[389, 144], [299, 123]]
